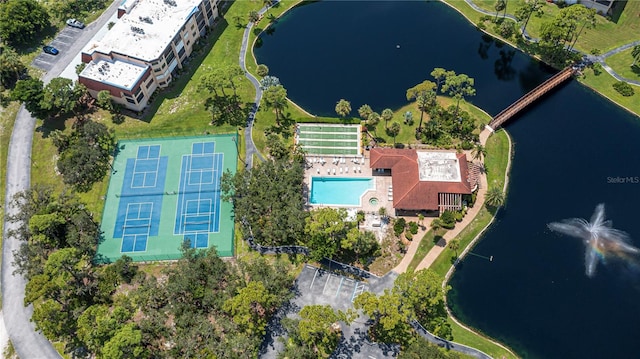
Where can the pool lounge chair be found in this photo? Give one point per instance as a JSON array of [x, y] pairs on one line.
[[318, 170], [328, 171], [346, 169], [334, 171], [340, 170], [359, 169], [354, 169]]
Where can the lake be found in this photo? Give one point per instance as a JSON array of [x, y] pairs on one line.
[[571, 151]]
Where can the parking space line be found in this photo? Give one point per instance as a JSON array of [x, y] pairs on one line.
[[60, 42], [65, 35], [314, 278], [339, 286], [325, 283], [42, 61]]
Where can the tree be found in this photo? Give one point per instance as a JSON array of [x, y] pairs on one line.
[[318, 330], [635, 52], [478, 151], [277, 148], [421, 218], [528, 8], [425, 101], [499, 6], [393, 131], [324, 227], [454, 245], [364, 112], [10, 66], [59, 96], [126, 343], [275, 97], [419, 89], [227, 110], [343, 108], [440, 75], [408, 118], [262, 70], [390, 316], [387, 115], [459, 86], [253, 17], [85, 154], [98, 324], [494, 197], [422, 291], [361, 244], [360, 216], [253, 192], [373, 121], [21, 20], [269, 81], [104, 100], [251, 307], [30, 92]]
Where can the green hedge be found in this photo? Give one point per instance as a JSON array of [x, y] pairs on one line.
[[344, 121]]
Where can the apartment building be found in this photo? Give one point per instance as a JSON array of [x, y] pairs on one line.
[[146, 46]]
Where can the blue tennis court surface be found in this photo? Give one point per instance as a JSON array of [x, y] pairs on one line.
[[198, 210], [141, 199]]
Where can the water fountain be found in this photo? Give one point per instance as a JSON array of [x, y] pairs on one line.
[[601, 240]]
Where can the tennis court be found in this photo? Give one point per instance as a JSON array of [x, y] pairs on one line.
[[329, 139], [163, 192]]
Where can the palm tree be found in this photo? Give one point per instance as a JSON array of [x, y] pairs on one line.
[[373, 120], [499, 6], [387, 115], [479, 151], [425, 102], [359, 217], [393, 131], [635, 52], [494, 197], [343, 108], [275, 97], [365, 111], [454, 245], [421, 219]]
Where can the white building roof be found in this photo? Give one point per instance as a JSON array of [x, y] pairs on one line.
[[148, 28], [438, 166], [120, 74]]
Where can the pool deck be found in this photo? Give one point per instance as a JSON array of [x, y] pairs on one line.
[[322, 164]]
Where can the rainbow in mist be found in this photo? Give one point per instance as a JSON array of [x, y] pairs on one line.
[[601, 240]]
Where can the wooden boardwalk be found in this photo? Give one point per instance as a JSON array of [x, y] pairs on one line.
[[533, 95]]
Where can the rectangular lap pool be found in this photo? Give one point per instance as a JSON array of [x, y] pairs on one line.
[[341, 191]]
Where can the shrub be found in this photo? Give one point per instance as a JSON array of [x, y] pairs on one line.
[[399, 226], [481, 25], [408, 236], [448, 219], [413, 227], [458, 216], [506, 29], [597, 68], [624, 88], [436, 223]]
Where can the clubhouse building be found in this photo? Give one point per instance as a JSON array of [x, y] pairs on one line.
[[151, 40], [425, 180]]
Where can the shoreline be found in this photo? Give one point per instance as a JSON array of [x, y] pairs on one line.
[[577, 78], [505, 186]]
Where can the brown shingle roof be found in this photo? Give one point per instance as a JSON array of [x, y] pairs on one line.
[[409, 193]]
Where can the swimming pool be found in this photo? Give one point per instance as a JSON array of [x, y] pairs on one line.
[[342, 191]]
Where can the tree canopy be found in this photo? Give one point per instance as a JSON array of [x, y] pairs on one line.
[[21, 20], [85, 154]]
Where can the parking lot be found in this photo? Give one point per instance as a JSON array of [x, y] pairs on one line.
[[63, 43], [318, 286], [322, 287]]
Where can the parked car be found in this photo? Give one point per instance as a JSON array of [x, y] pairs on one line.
[[50, 50], [75, 23]]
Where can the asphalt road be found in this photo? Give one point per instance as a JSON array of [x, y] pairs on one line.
[[27, 342]]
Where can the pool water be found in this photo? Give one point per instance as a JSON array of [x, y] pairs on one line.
[[340, 191]]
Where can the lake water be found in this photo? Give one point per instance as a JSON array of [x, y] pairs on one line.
[[570, 149]]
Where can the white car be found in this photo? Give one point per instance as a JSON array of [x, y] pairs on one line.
[[75, 23]]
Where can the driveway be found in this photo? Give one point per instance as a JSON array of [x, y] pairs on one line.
[[27, 342]]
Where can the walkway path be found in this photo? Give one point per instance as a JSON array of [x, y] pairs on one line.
[[250, 146], [468, 218], [26, 341], [600, 59]]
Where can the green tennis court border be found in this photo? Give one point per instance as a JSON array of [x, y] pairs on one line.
[[329, 139], [166, 246]]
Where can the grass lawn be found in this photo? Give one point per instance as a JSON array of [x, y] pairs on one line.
[[603, 84], [606, 35], [496, 163], [7, 119], [621, 63], [425, 246], [407, 133]]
